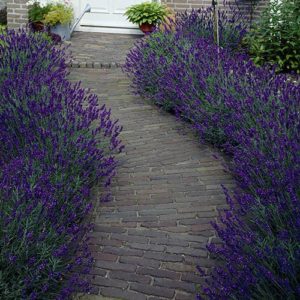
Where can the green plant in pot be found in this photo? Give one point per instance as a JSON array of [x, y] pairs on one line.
[[55, 14], [59, 19], [147, 15], [36, 12]]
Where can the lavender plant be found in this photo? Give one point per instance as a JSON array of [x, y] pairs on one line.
[[158, 52], [200, 24], [56, 143], [260, 235], [253, 114]]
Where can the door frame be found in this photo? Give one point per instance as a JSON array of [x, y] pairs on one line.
[[77, 5]]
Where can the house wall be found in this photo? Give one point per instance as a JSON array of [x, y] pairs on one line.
[[17, 13], [180, 5], [243, 5]]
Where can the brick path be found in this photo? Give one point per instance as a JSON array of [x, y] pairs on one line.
[[148, 240], [102, 50]]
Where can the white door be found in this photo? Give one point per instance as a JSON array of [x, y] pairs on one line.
[[105, 15]]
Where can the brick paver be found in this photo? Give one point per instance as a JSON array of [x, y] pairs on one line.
[[148, 240], [99, 50]]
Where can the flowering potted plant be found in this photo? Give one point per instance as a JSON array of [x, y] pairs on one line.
[[55, 14], [147, 15]]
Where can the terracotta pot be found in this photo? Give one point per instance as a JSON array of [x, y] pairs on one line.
[[37, 26], [147, 28]]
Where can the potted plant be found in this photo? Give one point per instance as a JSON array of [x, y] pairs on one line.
[[59, 18], [56, 15], [147, 15], [36, 12]]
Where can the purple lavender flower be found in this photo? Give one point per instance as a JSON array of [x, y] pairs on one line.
[[56, 142]]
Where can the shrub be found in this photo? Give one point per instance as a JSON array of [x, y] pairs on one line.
[[55, 144], [276, 37], [253, 114], [150, 53], [258, 116], [157, 52], [3, 16]]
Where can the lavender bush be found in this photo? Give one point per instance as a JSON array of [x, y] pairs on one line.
[[158, 52], [56, 142], [200, 24], [254, 115]]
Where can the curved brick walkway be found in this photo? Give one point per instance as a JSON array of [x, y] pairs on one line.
[[148, 240]]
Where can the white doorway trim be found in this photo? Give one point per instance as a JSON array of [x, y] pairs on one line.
[[108, 30], [91, 28]]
